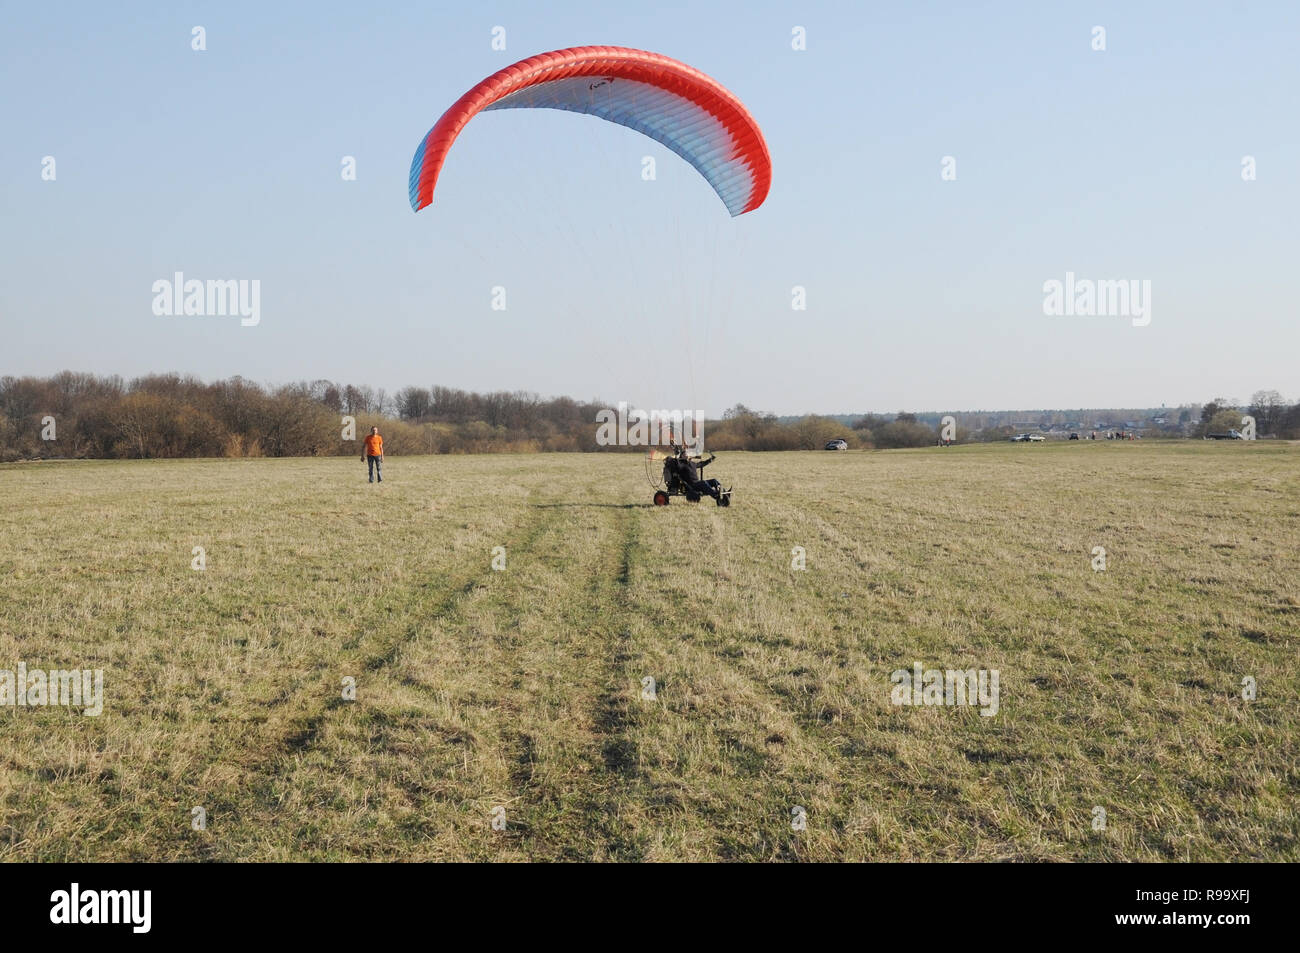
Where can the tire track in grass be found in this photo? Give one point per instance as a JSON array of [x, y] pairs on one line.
[[248, 775], [731, 742], [619, 751], [540, 729], [743, 753], [383, 655], [618, 769], [512, 633], [571, 765], [652, 743]]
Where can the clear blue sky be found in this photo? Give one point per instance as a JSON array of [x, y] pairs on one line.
[[922, 294]]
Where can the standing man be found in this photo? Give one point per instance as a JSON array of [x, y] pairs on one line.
[[374, 455]]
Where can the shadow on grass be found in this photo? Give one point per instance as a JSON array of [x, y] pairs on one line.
[[603, 506]]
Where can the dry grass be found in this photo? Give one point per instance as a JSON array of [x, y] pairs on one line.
[[521, 689]]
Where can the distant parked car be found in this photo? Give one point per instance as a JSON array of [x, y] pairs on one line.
[[1074, 436], [1230, 435], [838, 445], [1035, 437]]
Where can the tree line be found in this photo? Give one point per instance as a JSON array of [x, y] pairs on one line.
[[77, 415]]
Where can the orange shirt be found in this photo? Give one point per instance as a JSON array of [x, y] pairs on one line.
[[374, 445]]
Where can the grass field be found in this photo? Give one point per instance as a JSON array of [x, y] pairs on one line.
[[521, 689]]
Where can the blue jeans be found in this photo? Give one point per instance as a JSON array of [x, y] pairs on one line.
[[708, 488], [373, 468]]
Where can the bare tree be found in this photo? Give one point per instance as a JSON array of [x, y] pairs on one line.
[[1266, 406]]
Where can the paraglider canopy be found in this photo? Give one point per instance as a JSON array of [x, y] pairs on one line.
[[672, 103]]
